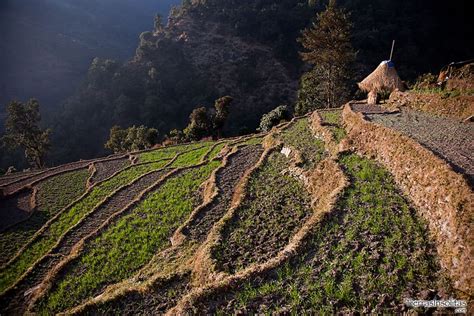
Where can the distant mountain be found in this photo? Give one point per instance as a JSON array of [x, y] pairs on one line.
[[48, 45]]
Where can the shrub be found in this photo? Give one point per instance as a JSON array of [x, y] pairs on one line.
[[274, 117]]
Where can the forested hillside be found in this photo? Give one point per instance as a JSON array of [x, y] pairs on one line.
[[249, 50], [48, 45]]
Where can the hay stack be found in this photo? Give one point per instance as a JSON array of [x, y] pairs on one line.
[[383, 78]]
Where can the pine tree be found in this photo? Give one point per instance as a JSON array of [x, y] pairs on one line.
[[328, 49]]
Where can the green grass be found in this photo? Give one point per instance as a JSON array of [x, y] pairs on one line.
[[42, 244], [300, 137], [53, 195], [130, 243], [334, 119], [191, 158], [272, 211], [253, 141], [372, 251], [169, 152], [217, 149]]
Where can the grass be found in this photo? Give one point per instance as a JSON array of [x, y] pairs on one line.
[[123, 248], [169, 152], [274, 208], [367, 256], [191, 158], [53, 195], [217, 149], [300, 137], [45, 241], [334, 121], [253, 141]]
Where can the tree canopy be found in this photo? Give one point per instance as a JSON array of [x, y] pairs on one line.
[[22, 130]]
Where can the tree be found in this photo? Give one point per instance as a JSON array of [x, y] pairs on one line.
[[131, 139], [200, 124], [274, 117], [328, 49], [158, 23], [22, 130], [222, 109]]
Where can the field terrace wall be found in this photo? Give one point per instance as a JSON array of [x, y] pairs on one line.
[[326, 183], [442, 196]]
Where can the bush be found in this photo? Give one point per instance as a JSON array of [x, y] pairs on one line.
[[274, 117]]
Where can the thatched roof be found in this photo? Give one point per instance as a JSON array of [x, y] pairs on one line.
[[384, 77]]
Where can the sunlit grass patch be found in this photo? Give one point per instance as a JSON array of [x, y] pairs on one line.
[[45, 241], [334, 121], [127, 245], [300, 137]]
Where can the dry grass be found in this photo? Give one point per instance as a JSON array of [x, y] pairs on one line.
[[383, 78], [443, 197], [460, 107], [326, 170]]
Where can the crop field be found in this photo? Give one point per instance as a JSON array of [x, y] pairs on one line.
[[333, 121], [267, 218], [206, 227], [299, 136], [373, 251]]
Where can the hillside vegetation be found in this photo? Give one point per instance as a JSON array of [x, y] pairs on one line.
[[297, 220]]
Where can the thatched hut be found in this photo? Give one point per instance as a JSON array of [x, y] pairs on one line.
[[383, 78]]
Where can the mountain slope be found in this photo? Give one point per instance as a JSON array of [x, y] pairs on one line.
[[242, 226], [48, 45]]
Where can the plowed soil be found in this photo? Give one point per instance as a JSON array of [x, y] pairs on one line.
[[107, 168], [226, 181], [157, 301], [274, 208], [450, 139]]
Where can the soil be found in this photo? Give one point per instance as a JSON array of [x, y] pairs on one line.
[[13, 187], [226, 181], [368, 109], [448, 138], [14, 209], [273, 210], [5, 180], [17, 299], [107, 168]]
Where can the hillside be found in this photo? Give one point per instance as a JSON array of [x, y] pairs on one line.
[[48, 45], [336, 211], [246, 49]]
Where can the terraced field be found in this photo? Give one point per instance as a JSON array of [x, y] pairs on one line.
[[366, 256], [229, 227]]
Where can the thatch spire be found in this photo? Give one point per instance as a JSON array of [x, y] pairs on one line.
[[383, 78]]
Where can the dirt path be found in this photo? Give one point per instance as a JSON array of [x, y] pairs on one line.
[[16, 299], [107, 168], [448, 138], [226, 181]]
